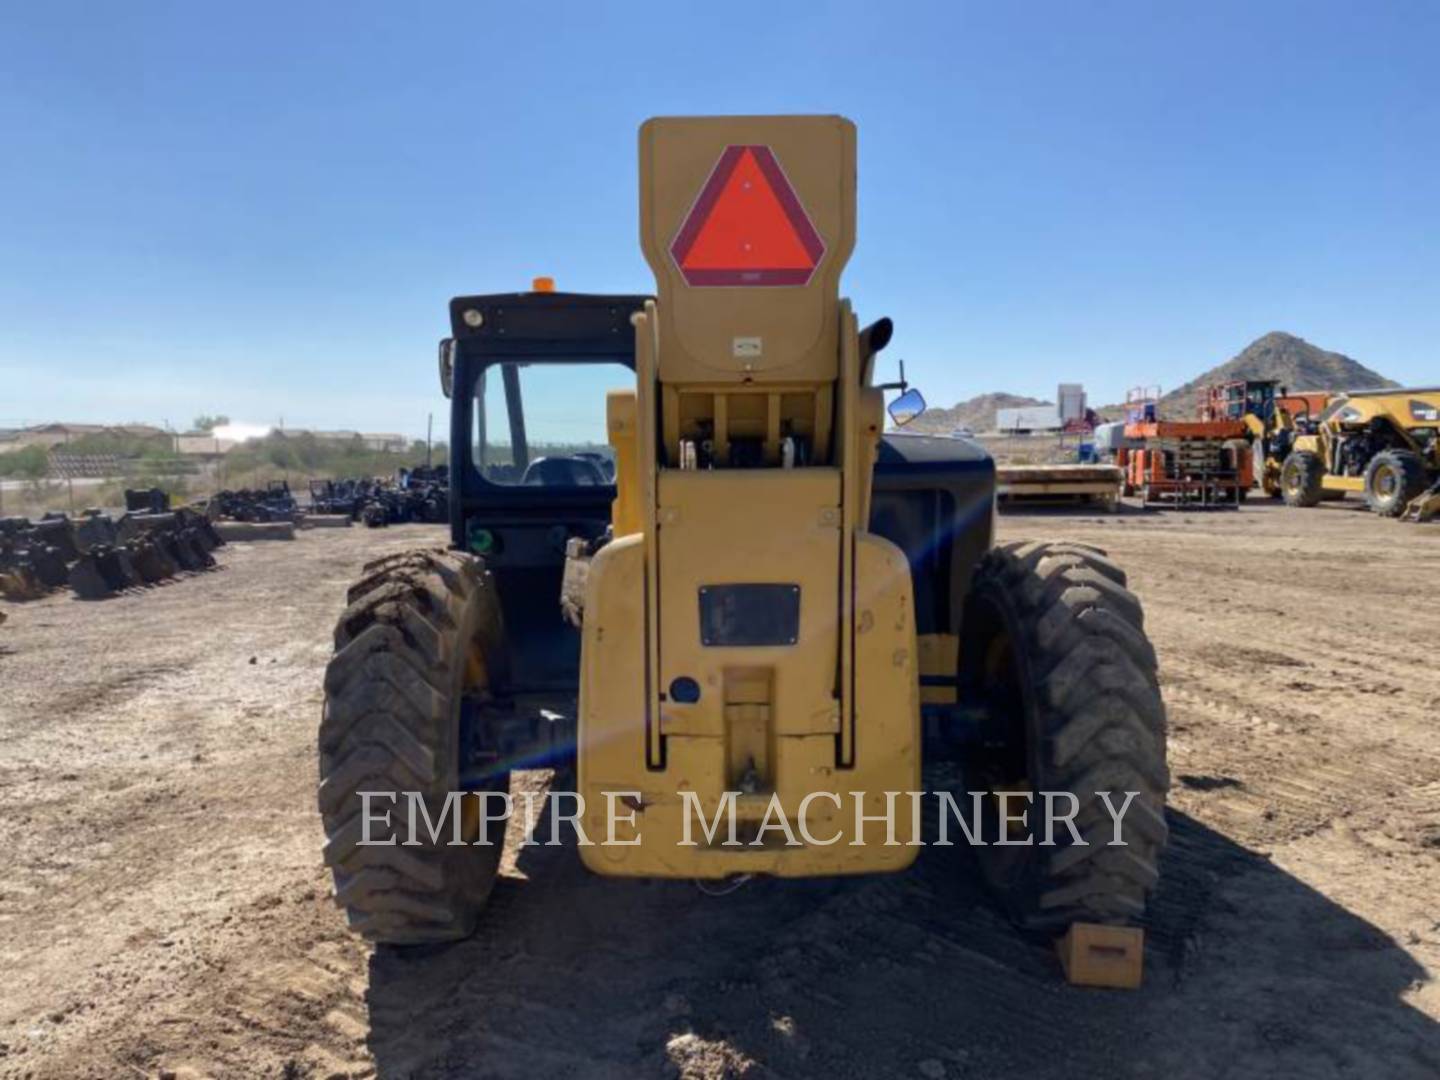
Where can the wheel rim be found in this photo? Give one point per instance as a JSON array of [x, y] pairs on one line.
[[1387, 482]]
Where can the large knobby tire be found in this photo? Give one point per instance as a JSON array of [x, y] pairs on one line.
[[1053, 647], [422, 630], [1301, 477], [1392, 479]]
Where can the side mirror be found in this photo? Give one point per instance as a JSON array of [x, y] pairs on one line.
[[906, 407], [447, 365]]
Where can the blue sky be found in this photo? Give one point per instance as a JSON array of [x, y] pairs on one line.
[[262, 209]]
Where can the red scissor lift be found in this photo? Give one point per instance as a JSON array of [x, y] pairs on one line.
[[1184, 463]]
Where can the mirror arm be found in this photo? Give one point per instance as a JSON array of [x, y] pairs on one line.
[[902, 385]]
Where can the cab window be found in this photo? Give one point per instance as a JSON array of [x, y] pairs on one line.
[[543, 424]]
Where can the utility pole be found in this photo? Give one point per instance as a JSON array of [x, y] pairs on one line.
[[429, 431]]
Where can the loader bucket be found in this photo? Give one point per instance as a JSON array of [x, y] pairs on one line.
[[58, 532], [86, 579], [193, 553], [151, 561], [92, 529], [113, 567], [48, 564]]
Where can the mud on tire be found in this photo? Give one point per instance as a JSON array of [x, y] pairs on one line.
[[1053, 645], [421, 630]]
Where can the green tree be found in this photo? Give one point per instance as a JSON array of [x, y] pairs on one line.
[[27, 463], [206, 422], [117, 443]]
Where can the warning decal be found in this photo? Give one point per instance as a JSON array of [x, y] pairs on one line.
[[747, 226]]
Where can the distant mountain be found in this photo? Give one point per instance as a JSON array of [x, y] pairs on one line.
[[1296, 363], [1293, 361], [977, 414]]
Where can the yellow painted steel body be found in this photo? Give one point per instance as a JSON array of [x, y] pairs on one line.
[[795, 725], [789, 726], [1410, 414]]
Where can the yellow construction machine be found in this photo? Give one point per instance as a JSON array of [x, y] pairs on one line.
[[1272, 416], [769, 600], [1382, 444]]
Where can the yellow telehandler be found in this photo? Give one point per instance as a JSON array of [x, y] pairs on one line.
[[769, 600], [1382, 444]]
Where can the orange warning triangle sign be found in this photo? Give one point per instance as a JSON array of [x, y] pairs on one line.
[[747, 226]]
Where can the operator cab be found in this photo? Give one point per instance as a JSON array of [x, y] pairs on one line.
[[1241, 398], [531, 466], [530, 463], [1260, 398]]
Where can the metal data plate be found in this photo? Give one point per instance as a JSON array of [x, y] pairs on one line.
[[749, 615]]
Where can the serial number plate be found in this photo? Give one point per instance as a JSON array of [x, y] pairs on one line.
[[749, 615]]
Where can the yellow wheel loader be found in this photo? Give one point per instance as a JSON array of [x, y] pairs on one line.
[[1382, 444], [731, 604], [1272, 416]]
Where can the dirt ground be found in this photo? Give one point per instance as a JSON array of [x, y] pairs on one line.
[[164, 912]]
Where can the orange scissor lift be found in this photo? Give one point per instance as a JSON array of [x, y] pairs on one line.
[[1201, 464]]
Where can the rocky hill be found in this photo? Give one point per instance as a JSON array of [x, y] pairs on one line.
[[1293, 361], [977, 414], [1296, 363]]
